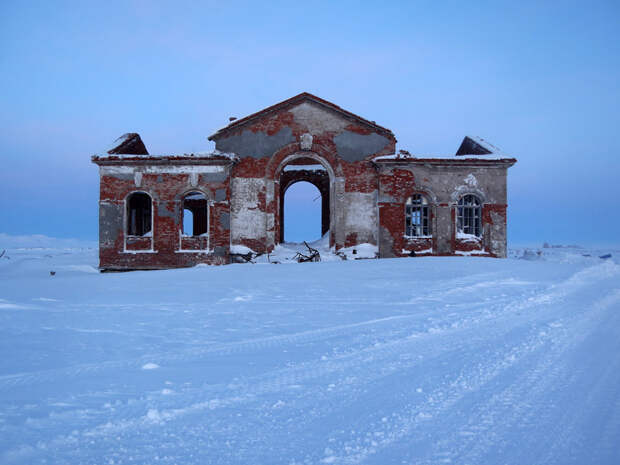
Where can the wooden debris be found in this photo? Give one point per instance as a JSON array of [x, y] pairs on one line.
[[313, 256]]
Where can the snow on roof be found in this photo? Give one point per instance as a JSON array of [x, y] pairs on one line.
[[487, 145], [420, 158], [215, 154], [472, 148], [394, 156]]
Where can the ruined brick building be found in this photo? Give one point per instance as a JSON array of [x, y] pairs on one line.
[[398, 202]]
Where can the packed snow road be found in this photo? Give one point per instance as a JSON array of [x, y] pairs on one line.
[[404, 361]]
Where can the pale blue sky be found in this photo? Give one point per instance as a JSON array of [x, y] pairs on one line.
[[538, 79], [302, 213]]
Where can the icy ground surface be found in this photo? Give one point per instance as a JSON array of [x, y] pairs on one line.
[[404, 361]]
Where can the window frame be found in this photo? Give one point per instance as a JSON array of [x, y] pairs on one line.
[[469, 216], [418, 203], [128, 215], [207, 232]]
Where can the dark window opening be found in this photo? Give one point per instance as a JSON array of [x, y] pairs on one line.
[[469, 216], [139, 211], [195, 214]]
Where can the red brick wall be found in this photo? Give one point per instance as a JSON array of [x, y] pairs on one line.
[[166, 191]]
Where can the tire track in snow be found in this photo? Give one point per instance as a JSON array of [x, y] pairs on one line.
[[138, 416], [521, 404], [9, 381], [45, 376], [357, 362], [357, 453], [276, 381], [608, 444], [568, 432], [413, 420]]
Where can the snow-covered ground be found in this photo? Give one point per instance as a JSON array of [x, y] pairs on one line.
[[461, 360], [286, 253]]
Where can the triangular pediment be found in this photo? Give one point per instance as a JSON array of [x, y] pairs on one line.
[[315, 112]]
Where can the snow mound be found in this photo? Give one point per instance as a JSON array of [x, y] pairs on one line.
[[241, 250], [360, 251]]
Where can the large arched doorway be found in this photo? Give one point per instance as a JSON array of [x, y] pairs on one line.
[[300, 172], [301, 214]]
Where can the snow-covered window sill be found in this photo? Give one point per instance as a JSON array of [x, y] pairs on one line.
[[206, 252], [462, 237], [418, 252]]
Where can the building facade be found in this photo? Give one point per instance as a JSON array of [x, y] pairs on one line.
[[181, 210]]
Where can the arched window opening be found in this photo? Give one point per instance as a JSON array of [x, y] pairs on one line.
[[469, 216], [417, 217], [302, 212], [139, 208], [195, 214]]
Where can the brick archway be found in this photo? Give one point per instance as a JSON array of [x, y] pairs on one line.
[[292, 151], [325, 183]]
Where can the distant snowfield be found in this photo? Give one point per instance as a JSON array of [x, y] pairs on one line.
[[461, 360]]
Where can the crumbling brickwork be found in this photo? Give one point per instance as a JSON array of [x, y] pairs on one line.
[[369, 194], [305, 127], [165, 181], [443, 182]]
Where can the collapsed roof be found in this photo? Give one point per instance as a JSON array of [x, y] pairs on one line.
[[473, 145], [129, 143]]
